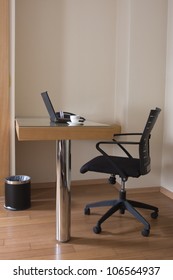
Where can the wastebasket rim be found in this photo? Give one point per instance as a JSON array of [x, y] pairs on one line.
[[17, 179]]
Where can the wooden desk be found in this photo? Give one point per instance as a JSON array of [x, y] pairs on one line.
[[36, 129]]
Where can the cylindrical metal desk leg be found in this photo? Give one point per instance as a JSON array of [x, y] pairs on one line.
[[63, 195]]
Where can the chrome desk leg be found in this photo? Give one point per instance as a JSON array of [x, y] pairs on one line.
[[63, 195]]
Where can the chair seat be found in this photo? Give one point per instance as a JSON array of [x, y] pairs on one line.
[[130, 166]]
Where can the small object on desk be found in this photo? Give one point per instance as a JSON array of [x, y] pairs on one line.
[[61, 113], [74, 118], [75, 123]]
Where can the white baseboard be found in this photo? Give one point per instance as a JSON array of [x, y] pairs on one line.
[[166, 192]]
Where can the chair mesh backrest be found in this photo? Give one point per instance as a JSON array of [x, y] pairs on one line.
[[144, 152]]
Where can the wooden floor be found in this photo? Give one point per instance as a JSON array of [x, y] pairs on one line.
[[30, 234]]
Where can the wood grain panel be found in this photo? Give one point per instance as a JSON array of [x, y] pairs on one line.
[[4, 92], [33, 133]]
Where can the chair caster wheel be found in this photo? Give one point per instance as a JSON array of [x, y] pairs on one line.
[[97, 229], [145, 232], [122, 210], [87, 211], [112, 180], [154, 215]]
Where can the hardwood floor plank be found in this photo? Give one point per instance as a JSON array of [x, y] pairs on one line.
[[30, 234]]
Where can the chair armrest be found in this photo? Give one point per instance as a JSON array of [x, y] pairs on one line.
[[121, 173], [119, 143]]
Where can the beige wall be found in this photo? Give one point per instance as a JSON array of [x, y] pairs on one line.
[[68, 48], [104, 59], [140, 69]]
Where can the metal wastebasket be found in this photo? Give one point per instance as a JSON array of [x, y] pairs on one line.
[[17, 192]]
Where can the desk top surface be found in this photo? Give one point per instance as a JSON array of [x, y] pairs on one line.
[[31, 129], [45, 122]]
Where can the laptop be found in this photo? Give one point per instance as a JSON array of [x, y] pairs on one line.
[[57, 117]]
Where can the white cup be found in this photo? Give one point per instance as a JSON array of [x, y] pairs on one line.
[[75, 118]]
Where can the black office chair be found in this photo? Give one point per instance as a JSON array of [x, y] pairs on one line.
[[125, 167]]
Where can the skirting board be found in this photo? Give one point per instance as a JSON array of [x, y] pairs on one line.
[[103, 182], [166, 192]]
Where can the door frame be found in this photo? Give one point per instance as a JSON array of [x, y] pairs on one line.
[[4, 94]]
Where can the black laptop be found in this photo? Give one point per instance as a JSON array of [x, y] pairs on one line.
[[57, 117]]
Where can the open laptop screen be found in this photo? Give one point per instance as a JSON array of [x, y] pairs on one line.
[[49, 106]]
